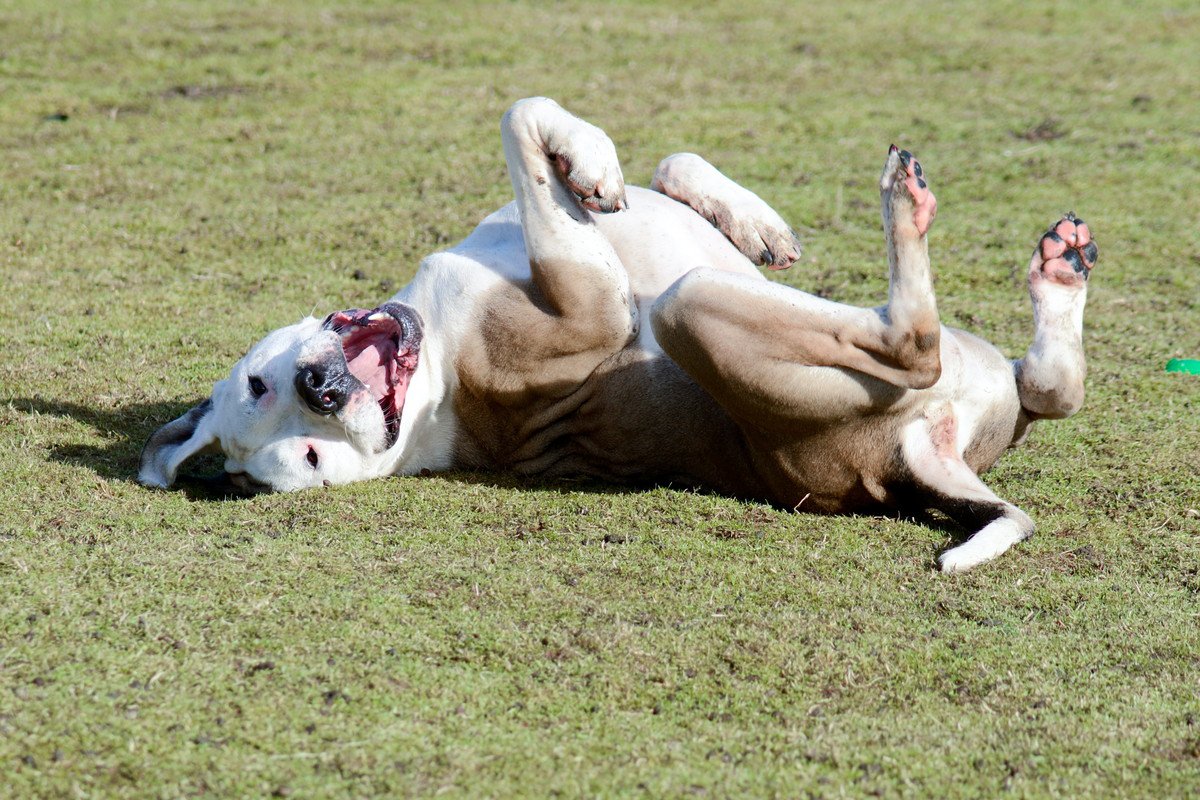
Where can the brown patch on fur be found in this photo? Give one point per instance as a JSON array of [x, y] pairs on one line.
[[995, 432], [853, 466], [927, 341], [916, 355], [554, 396], [633, 419], [522, 349]]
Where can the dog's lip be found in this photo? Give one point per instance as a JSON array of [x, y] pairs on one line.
[[343, 323]]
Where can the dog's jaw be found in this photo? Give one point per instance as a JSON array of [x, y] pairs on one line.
[[428, 426]]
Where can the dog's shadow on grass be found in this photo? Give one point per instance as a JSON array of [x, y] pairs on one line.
[[125, 430], [509, 481], [128, 427]]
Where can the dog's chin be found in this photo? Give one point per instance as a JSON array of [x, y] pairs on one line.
[[369, 428]]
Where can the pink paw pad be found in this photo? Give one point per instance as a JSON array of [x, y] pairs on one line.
[[923, 200], [1068, 251], [596, 197]]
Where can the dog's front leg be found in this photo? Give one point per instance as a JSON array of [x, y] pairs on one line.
[[562, 169]]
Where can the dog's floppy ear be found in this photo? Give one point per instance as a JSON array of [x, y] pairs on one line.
[[176, 442]]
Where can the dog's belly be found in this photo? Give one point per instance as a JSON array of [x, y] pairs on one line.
[[638, 418], [857, 464]]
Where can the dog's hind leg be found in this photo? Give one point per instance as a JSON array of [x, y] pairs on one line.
[[932, 454], [759, 347], [1050, 376], [746, 220]]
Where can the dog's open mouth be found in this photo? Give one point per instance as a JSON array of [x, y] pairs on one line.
[[381, 354]]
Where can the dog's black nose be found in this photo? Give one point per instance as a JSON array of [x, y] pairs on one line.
[[320, 390]]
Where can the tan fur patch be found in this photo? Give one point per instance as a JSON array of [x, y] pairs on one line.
[[633, 419]]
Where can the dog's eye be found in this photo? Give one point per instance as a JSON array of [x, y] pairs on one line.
[[257, 386], [312, 457]]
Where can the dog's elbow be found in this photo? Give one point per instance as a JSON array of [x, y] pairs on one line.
[[1050, 388]]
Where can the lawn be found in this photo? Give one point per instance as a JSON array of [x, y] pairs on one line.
[[180, 178]]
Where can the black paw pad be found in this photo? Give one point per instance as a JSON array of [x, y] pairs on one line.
[[1090, 253], [1073, 258]]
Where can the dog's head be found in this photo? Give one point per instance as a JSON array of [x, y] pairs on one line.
[[311, 404]]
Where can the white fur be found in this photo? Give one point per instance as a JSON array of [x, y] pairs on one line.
[[992, 540]]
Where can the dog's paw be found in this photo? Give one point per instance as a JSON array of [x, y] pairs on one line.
[[758, 232], [903, 183], [747, 221], [586, 160], [959, 559], [580, 153], [1065, 255]]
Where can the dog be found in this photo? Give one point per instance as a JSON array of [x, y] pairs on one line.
[[588, 330]]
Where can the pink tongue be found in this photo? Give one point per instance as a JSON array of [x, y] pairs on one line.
[[370, 365]]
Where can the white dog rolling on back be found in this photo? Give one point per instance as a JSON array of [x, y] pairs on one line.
[[587, 330]]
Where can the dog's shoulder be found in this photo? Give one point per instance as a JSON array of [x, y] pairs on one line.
[[450, 285]]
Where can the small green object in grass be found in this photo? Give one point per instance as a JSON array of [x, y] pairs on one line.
[[1188, 366]]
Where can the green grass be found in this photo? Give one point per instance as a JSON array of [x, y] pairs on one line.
[[223, 168]]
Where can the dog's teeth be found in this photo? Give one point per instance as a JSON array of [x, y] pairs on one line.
[[378, 315]]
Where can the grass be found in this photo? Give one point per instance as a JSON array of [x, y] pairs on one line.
[[180, 178]]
